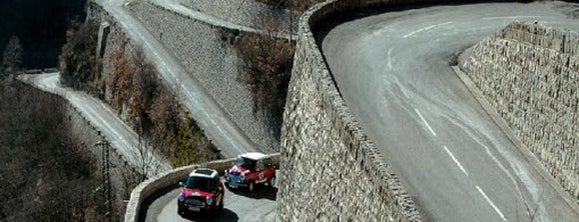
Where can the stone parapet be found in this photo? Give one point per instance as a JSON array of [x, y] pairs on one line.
[[168, 179], [333, 172]]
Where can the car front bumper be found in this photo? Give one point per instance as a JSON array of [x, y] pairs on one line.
[[183, 208], [232, 184]]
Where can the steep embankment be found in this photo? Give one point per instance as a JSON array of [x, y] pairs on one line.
[[45, 168], [207, 58]]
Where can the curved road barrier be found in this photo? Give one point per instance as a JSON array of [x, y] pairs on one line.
[[329, 160], [168, 179]]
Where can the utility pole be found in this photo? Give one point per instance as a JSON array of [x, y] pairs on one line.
[[290, 22], [106, 179]]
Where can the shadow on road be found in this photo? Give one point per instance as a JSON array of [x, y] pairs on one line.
[[146, 204], [260, 192], [225, 215]]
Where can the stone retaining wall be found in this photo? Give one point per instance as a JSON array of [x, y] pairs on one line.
[[168, 179], [530, 75], [123, 177], [333, 172], [207, 56]]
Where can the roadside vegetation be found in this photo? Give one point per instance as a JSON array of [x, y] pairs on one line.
[[154, 112], [46, 174], [267, 69], [267, 62], [133, 89], [80, 68], [11, 60]]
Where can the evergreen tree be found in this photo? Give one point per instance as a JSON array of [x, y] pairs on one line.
[[11, 57]]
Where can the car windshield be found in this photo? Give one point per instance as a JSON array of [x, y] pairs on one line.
[[245, 163], [200, 183]]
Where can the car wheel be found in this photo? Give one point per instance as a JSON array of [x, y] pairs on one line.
[[271, 182], [251, 186]]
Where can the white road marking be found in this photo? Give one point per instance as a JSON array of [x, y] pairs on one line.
[[390, 58], [426, 123], [174, 76], [425, 29], [491, 203], [455, 160]]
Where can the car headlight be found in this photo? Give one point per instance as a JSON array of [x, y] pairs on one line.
[[209, 200], [181, 197]]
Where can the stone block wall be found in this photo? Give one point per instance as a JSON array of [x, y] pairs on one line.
[[530, 75], [122, 175], [333, 172], [112, 40], [206, 54]]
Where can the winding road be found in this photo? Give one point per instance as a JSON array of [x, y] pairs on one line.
[[175, 6], [216, 123], [239, 206], [393, 70], [101, 116]]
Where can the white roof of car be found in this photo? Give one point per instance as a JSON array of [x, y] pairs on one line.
[[254, 155], [204, 172]]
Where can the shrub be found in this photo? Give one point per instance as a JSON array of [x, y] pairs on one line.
[[267, 69], [154, 112], [45, 173], [11, 57], [80, 68]]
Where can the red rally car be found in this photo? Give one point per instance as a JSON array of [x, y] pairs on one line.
[[203, 191], [249, 170]]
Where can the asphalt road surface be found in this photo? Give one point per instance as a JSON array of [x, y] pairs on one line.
[[119, 134], [393, 70], [239, 206], [176, 6], [216, 123]]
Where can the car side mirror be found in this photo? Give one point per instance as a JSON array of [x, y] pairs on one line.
[[181, 184]]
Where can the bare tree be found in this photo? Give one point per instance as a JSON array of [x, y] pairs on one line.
[[11, 56], [148, 165], [45, 172]]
